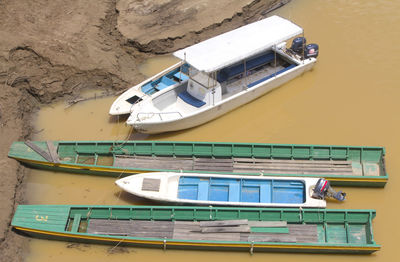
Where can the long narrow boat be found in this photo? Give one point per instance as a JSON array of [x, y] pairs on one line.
[[342, 165], [224, 72], [248, 229], [229, 190]]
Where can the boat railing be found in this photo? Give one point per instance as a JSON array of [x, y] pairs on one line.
[[152, 114]]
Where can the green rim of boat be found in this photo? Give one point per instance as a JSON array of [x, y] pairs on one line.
[[318, 230], [342, 165]]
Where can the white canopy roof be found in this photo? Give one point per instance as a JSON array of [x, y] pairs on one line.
[[236, 45]]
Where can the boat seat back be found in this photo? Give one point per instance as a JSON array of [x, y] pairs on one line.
[[188, 98]]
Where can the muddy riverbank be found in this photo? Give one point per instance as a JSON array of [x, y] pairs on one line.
[[53, 50]]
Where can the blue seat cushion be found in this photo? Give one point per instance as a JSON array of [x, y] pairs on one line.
[[164, 83], [148, 88], [188, 98]]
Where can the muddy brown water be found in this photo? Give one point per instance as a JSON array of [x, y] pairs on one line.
[[349, 98]]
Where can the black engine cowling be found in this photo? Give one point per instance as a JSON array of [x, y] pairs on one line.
[[298, 44], [311, 50]]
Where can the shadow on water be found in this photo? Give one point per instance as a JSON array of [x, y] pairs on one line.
[[134, 200]]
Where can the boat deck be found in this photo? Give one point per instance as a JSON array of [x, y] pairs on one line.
[[235, 85], [250, 165], [224, 230]]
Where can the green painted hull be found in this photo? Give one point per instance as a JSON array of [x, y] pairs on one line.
[[99, 158], [339, 231]]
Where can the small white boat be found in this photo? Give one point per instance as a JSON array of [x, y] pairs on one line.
[[230, 190], [218, 75]]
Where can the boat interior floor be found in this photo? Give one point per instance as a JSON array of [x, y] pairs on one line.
[[249, 165], [224, 230], [239, 83]]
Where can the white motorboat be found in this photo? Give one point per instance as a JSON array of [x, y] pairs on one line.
[[230, 190], [222, 73]]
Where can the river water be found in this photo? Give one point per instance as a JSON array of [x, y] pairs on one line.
[[351, 97]]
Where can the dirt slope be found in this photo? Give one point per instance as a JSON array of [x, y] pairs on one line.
[[51, 50]]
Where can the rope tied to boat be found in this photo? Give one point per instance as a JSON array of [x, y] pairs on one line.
[[252, 248], [165, 244], [122, 240], [301, 213], [126, 139], [120, 192]]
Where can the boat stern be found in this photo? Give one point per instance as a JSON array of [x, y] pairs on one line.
[[19, 150]]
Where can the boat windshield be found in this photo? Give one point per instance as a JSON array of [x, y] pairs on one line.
[[202, 78]]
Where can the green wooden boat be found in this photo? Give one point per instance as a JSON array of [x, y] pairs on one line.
[[222, 228], [342, 165]]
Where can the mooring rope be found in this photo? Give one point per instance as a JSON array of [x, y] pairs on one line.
[[122, 240]]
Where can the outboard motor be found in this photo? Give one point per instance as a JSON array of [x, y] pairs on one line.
[[311, 50], [323, 189], [298, 44]]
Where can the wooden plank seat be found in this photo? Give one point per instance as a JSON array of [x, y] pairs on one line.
[[76, 223]]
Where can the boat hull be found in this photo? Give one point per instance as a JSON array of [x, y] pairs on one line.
[[223, 190], [185, 245], [153, 151], [47, 222]]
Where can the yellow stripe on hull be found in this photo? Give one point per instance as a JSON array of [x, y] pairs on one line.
[[86, 168], [200, 244]]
